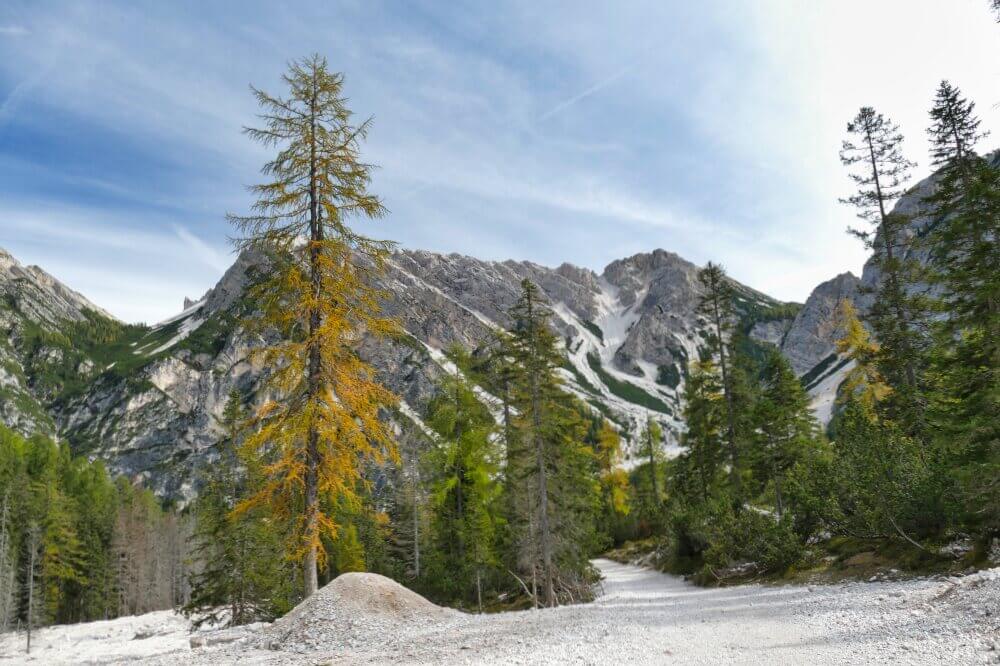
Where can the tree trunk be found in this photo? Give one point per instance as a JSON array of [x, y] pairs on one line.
[[652, 463], [734, 475], [479, 590], [311, 581], [543, 486], [416, 522]]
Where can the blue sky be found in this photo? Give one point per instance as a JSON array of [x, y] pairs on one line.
[[548, 131]]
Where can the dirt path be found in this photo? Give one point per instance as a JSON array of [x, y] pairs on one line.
[[645, 617]]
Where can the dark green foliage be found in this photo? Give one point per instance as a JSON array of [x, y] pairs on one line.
[[627, 390], [462, 471], [594, 328], [242, 575], [80, 571], [668, 375]]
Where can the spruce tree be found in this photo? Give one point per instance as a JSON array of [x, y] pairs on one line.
[[703, 439], [464, 490], [550, 457], [8, 564], [785, 427], [874, 152], [323, 424], [716, 304], [239, 553], [965, 248]]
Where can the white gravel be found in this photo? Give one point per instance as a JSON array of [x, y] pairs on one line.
[[644, 617]]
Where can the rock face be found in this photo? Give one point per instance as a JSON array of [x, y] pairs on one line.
[[151, 404], [813, 333]]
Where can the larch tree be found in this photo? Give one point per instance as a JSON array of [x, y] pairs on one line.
[[321, 425], [716, 305], [873, 153]]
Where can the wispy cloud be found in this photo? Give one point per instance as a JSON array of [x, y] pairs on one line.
[[13, 30], [211, 257]]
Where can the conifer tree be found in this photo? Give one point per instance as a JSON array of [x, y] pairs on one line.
[[464, 461], [550, 453], [704, 415], [652, 435], [8, 564], [322, 425], [785, 426], [716, 304], [874, 151], [966, 251], [863, 383], [242, 567], [614, 479]]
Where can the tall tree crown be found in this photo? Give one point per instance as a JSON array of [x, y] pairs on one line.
[[875, 146]]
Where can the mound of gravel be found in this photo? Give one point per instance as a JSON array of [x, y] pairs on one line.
[[354, 610]]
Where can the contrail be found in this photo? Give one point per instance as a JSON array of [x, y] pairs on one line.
[[600, 85]]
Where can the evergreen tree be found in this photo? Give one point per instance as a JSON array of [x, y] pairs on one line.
[[716, 304], [464, 462], [550, 456], [8, 565], [966, 252], [874, 149], [241, 577], [705, 418], [323, 424], [785, 427]]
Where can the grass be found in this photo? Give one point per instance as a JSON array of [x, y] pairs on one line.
[[625, 390]]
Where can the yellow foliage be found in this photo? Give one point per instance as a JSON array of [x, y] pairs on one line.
[[863, 382]]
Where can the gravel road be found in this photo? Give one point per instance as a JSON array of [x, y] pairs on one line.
[[642, 617]]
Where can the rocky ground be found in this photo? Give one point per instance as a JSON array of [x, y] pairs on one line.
[[642, 617]]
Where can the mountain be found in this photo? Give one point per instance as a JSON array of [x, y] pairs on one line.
[[148, 400]]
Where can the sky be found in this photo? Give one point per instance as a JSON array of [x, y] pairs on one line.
[[545, 131]]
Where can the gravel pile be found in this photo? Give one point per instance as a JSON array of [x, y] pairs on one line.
[[354, 610]]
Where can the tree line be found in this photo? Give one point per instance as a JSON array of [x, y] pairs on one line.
[[78, 545]]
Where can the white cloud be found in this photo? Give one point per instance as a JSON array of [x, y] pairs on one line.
[[13, 30]]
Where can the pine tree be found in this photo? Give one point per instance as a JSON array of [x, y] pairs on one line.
[[704, 416], [966, 251], [323, 424], [716, 304], [896, 316], [785, 427], [8, 565], [550, 456], [464, 461]]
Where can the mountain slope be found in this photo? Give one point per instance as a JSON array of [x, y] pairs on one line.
[[149, 400]]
